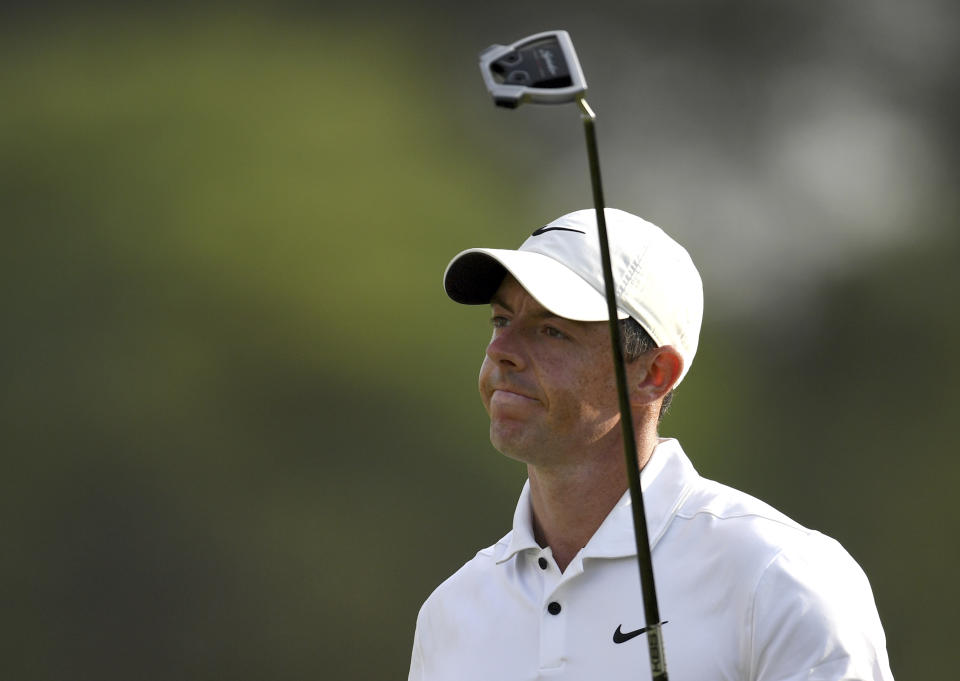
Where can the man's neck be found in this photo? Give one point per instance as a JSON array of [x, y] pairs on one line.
[[570, 503]]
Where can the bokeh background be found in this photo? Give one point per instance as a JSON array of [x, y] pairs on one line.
[[239, 426]]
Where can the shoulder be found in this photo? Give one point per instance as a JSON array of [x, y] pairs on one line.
[[763, 553], [806, 602], [472, 578], [440, 620], [474, 569], [462, 606], [739, 520], [813, 608]]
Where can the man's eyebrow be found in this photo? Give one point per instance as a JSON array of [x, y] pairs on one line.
[[497, 300]]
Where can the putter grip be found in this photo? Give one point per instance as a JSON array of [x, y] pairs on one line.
[[658, 661]]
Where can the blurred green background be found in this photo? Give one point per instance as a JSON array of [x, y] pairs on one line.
[[238, 422]]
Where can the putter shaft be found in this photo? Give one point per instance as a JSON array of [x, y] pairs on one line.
[[658, 662]]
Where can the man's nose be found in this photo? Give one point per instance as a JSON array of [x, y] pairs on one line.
[[505, 348]]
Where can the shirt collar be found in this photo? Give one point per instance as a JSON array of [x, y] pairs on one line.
[[521, 537], [666, 481]]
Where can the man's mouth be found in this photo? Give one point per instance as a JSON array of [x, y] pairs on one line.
[[505, 396]]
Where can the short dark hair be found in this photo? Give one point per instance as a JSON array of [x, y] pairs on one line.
[[637, 341]]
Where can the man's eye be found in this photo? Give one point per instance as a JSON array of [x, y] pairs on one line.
[[554, 332], [498, 321]]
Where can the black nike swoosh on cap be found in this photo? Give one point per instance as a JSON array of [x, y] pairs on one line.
[[544, 230], [620, 637]]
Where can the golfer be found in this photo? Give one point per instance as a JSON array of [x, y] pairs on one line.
[[745, 593]]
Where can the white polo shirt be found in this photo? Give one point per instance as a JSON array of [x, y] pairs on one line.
[[746, 594]]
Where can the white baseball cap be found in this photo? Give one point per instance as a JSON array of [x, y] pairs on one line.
[[559, 265]]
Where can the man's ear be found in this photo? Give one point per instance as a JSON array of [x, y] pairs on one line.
[[657, 371]]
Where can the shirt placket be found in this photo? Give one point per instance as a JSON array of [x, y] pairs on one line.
[[553, 613]]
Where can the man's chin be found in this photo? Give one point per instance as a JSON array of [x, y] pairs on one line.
[[510, 441]]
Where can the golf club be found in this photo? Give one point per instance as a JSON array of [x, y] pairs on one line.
[[543, 69]]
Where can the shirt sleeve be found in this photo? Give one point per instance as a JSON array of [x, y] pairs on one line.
[[416, 656], [814, 619]]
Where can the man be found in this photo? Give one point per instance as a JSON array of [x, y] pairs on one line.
[[745, 592]]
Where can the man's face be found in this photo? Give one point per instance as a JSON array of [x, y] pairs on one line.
[[546, 382]]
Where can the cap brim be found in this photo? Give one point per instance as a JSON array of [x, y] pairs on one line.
[[474, 275]]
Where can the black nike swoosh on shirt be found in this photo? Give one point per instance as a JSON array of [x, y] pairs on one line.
[[620, 637], [543, 230]]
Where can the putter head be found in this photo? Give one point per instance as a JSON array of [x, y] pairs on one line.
[[542, 68]]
